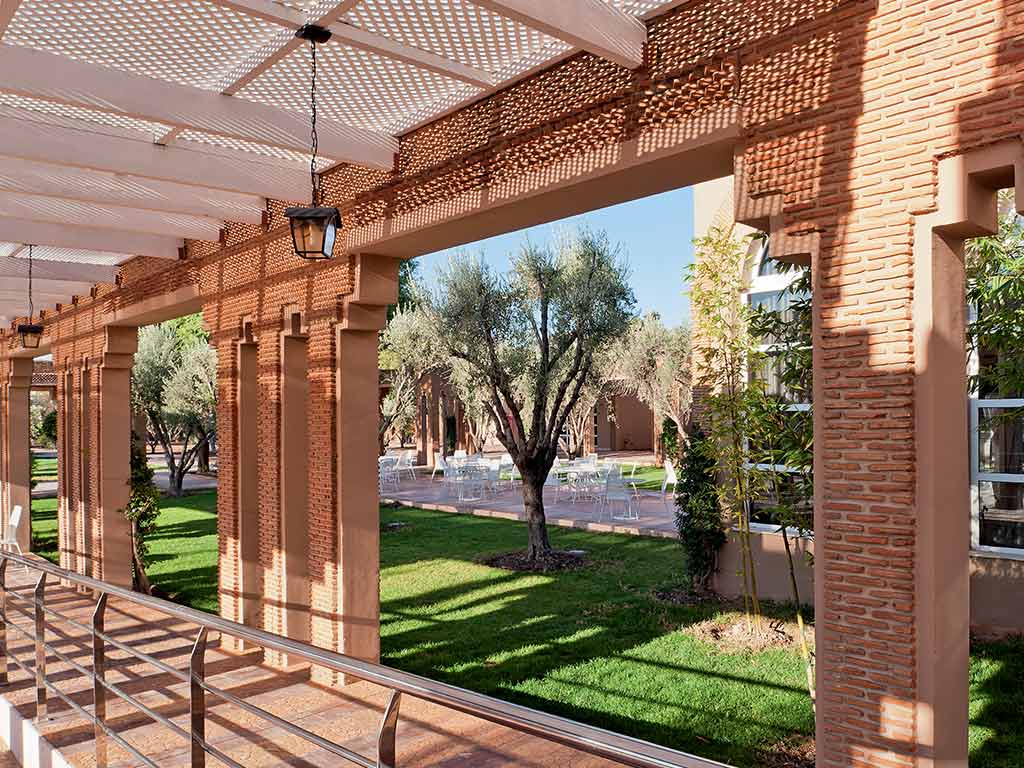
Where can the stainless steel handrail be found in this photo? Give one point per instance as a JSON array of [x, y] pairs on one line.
[[585, 738]]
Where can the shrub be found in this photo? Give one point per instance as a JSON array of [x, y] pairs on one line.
[[670, 439], [698, 513], [46, 432], [142, 512]]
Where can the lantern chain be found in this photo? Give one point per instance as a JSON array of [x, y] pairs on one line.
[[31, 305], [313, 177]]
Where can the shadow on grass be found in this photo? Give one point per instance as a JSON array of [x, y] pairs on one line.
[[997, 703], [593, 645]]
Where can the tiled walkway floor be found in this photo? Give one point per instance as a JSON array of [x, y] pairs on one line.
[[656, 512], [427, 734]]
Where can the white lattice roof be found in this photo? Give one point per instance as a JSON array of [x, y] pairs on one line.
[[129, 125]]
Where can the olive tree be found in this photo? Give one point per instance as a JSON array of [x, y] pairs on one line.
[[406, 353], [654, 366], [529, 337], [174, 382]]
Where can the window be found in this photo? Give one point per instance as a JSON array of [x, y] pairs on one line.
[[997, 475]]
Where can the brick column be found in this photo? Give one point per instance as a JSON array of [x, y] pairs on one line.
[[111, 548], [892, 505], [358, 510], [240, 573], [67, 528], [18, 464]]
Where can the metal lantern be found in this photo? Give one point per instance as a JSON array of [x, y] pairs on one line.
[[314, 227], [314, 230], [31, 333]]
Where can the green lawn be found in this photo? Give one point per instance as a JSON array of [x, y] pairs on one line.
[[44, 469], [594, 645], [650, 478]]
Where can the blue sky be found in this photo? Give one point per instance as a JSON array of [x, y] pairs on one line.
[[656, 234]]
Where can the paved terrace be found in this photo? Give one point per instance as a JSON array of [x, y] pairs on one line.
[[656, 512], [349, 716]]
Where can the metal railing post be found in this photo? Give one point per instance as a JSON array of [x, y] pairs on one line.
[[197, 699], [99, 676], [3, 621], [386, 751], [40, 595]]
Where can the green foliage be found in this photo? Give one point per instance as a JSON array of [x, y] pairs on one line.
[[995, 289], [653, 364], [698, 513], [779, 435], [407, 271], [527, 342], [407, 351], [142, 511], [174, 380], [46, 430], [670, 439], [188, 329], [723, 349]]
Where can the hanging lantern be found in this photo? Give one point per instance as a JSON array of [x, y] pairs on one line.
[[31, 333], [314, 227], [314, 230]]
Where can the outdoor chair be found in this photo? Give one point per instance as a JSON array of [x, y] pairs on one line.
[[10, 539], [387, 473], [407, 464], [670, 477], [439, 465], [460, 454], [616, 492], [507, 466], [492, 477], [472, 481], [554, 480]]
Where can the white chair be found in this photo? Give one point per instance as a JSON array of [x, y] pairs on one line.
[[670, 477], [492, 477], [616, 492], [459, 454], [554, 480], [440, 465], [387, 473], [10, 539], [407, 463]]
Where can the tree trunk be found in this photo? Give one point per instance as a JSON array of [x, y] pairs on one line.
[[538, 544], [140, 581], [175, 480], [203, 457]]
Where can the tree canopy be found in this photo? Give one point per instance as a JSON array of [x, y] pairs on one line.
[[529, 339]]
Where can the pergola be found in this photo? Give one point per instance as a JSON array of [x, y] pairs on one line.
[[128, 127]]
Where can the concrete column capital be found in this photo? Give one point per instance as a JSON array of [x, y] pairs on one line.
[[376, 286]]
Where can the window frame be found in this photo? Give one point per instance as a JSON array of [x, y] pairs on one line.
[[977, 477]]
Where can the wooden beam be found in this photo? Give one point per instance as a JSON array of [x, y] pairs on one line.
[[42, 286], [63, 80], [593, 25], [78, 145], [89, 238], [44, 269], [20, 205], [346, 34], [113, 189]]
